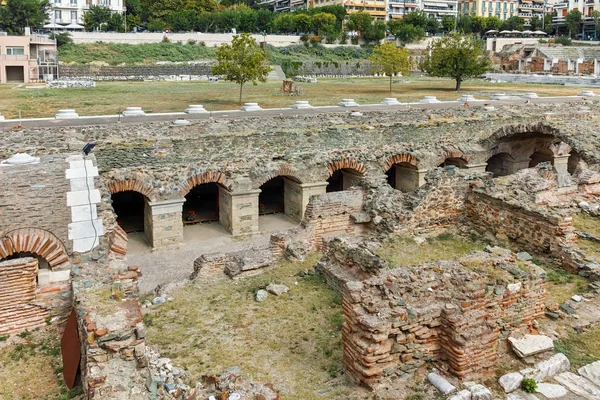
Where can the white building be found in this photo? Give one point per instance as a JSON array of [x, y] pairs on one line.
[[433, 8], [70, 12]]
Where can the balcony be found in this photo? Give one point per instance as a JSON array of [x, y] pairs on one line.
[[4, 57]]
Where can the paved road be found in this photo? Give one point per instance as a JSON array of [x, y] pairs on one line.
[[235, 114]]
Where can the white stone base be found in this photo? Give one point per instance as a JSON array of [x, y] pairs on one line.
[[134, 112], [356, 114], [499, 96], [347, 103], [429, 100], [1, 118], [301, 105], [489, 108], [181, 122], [195, 109], [391, 101], [587, 93], [531, 95], [466, 98], [66, 114], [251, 107]]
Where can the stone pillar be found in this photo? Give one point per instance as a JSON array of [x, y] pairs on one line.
[[296, 197], [163, 222], [512, 166], [409, 179], [477, 168], [561, 165], [238, 211], [350, 179]]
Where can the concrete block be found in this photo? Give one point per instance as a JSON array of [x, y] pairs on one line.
[[587, 93], [66, 114], [181, 122], [60, 276], [85, 229], [530, 95], [85, 245], [78, 184], [499, 96], [552, 366], [43, 277], [480, 392], [429, 100], [195, 109], [528, 345], [510, 382], [83, 213], [301, 105], [465, 98], [81, 172], [82, 197], [167, 206], [356, 114], [134, 112], [78, 163], [21, 159], [391, 101], [347, 103], [251, 107], [551, 391]]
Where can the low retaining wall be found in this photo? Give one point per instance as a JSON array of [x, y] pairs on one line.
[[547, 79], [170, 72]]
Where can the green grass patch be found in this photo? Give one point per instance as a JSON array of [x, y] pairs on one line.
[[293, 341], [561, 284], [581, 349], [587, 224], [404, 251]]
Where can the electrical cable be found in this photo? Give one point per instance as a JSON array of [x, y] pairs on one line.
[[87, 185]]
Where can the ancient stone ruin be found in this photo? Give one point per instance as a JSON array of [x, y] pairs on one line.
[[349, 184]]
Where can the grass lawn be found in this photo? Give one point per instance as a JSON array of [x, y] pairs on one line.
[[292, 341], [31, 367], [110, 97], [582, 348]]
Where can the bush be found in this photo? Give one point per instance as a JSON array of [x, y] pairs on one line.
[[191, 42], [62, 39], [314, 40], [165, 39], [565, 41], [528, 385]]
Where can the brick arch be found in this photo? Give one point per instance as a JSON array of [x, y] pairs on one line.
[[398, 159], [452, 153], [284, 170], [346, 163], [34, 240], [518, 130], [201, 179], [135, 185]]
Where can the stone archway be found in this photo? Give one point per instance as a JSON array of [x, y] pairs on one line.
[[204, 197], [499, 164], [402, 171], [133, 185], [343, 174], [453, 157], [36, 241]]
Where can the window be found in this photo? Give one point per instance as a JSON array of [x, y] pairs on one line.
[[512, 7], [105, 2], [57, 15], [74, 3], [57, 1], [73, 16], [483, 8], [466, 8], [15, 51]]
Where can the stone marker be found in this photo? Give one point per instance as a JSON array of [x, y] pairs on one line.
[[134, 112], [552, 366], [1, 117], [587, 93], [181, 122], [578, 385], [195, 109], [520, 395], [480, 392], [530, 95], [591, 372], [465, 98], [489, 108], [577, 298], [277, 289], [429, 100], [440, 383], [301, 105], [391, 101], [251, 107], [356, 113], [347, 103], [499, 96], [529, 345], [21, 159], [550, 390], [66, 114], [261, 295], [510, 382], [462, 395]]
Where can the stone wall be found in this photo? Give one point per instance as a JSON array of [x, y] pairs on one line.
[[328, 68], [452, 312], [170, 72]]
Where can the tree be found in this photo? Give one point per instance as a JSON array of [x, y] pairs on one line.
[[433, 26], [416, 18], [205, 22], [389, 59], [596, 18], [17, 14], [478, 25], [465, 23], [62, 39], [303, 23], [182, 20], [514, 23], [285, 22], [456, 57], [95, 17], [405, 33], [548, 28], [535, 23], [448, 23], [242, 61], [162, 9], [115, 23], [573, 22], [375, 32], [494, 23], [323, 22]]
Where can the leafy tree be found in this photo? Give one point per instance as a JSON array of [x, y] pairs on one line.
[[164, 8], [389, 59], [62, 38], [493, 23], [465, 23], [405, 33], [339, 11], [205, 22], [375, 32], [285, 22], [535, 23], [17, 14], [181, 21], [596, 18], [448, 23], [433, 25], [115, 23], [548, 28], [227, 20], [303, 22], [242, 61], [95, 17], [359, 21], [478, 25], [323, 22], [456, 57], [416, 18], [264, 20], [514, 23], [573, 22], [155, 25]]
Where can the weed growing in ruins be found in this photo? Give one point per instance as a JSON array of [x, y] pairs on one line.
[[582, 348], [588, 224], [561, 284], [528, 385]]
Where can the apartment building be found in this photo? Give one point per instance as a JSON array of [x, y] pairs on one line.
[[399, 8], [503, 9], [27, 58], [69, 13], [439, 8], [586, 7], [376, 8]]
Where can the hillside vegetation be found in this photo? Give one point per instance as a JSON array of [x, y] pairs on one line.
[[150, 53]]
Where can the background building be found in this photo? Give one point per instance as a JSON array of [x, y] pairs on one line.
[[70, 12], [27, 58]]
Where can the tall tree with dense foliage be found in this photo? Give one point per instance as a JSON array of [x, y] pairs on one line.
[[389, 59], [405, 33], [242, 61], [456, 57], [573, 21], [596, 17], [448, 23], [514, 23], [95, 17], [15, 15], [162, 9]]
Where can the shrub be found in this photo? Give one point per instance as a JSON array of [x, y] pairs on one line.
[[191, 42], [565, 41], [165, 39], [315, 40], [528, 385], [62, 39]]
